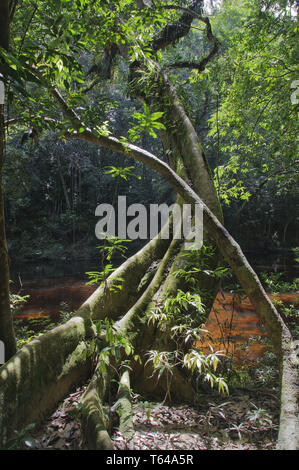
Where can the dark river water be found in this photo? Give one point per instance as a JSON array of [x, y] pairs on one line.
[[29, 272]]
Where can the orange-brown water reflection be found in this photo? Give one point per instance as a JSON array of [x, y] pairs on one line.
[[232, 322], [235, 328], [47, 298]]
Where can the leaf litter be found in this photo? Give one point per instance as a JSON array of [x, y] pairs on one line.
[[242, 421]]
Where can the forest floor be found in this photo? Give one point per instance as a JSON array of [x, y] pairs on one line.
[[245, 420]]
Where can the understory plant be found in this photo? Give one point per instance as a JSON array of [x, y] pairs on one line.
[[182, 317]]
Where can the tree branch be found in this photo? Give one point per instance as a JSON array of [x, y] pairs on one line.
[[202, 64], [286, 171], [12, 9], [185, 10], [28, 25], [19, 120], [173, 32]]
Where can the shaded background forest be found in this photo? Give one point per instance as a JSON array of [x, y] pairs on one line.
[[247, 127]]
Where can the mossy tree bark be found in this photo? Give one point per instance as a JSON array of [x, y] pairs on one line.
[[6, 324], [46, 369]]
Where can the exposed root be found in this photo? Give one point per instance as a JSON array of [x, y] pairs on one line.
[[95, 422], [95, 430], [231, 251], [124, 408], [45, 370]]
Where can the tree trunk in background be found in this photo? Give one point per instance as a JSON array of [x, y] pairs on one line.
[[186, 157], [64, 188], [6, 324]]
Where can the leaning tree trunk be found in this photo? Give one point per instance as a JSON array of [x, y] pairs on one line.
[[186, 157], [44, 370], [35, 379], [231, 251], [6, 324]]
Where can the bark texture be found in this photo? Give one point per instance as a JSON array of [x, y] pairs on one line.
[[95, 420]]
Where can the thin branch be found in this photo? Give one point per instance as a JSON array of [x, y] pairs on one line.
[[193, 27], [68, 111], [286, 171], [20, 120], [89, 87], [200, 67], [28, 26], [12, 9], [175, 31]]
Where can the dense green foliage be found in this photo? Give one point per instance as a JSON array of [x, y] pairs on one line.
[[240, 105]]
